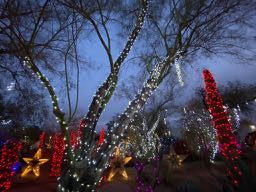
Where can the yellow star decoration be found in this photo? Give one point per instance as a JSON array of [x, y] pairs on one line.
[[117, 165], [175, 159], [34, 164]]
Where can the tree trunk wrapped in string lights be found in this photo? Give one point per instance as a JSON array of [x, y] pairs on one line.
[[228, 145], [90, 169], [70, 179]]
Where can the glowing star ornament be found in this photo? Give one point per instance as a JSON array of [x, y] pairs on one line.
[[117, 165], [34, 163], [175, 159]]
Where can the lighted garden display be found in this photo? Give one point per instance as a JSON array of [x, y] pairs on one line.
[[137, 95]]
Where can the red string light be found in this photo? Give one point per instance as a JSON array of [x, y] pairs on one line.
[[229, 147], [9, 156], [80, 130], [41, 140], [101, 140], [57, 158], [73, 139]]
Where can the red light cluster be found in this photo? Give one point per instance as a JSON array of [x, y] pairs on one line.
[[80, 130], [41, 140], [229, 147], [9, 156], [73, 139], [101, 140], [57, 158]]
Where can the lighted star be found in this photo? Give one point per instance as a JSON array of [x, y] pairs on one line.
[[34, 164], [117, 165], [175, 159]]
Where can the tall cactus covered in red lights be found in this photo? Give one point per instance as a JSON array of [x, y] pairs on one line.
[[228, 144], [9, 156], [58, 154]]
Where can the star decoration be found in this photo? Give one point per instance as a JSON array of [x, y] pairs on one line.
[[117, 165], [34, 163], [175, 159]]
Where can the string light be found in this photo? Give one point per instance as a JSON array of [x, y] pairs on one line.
[[144, 144], [41, 140], [59, 115], [101, 140], [139, 178], [205, 133], [178, 72], [229, 147], [121, 125], [73, 139], [10, 87], [98, 105], [57, 158], [9, 157], [237, 118], [86, 158], [5, 122]]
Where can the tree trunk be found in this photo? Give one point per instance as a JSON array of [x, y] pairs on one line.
[[89, 170]]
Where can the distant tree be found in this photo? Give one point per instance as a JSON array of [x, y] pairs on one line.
[[21, 109], [198, 131], [235, 94]]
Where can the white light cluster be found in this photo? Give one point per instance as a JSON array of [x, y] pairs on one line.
[[237, 118], [10, 87], [204, 131], [144, 144], [57, 111], [5, 122], [133, 108], [93, 115], [178, 72]]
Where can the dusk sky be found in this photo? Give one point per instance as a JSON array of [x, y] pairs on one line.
[[128, 95], [223, 69]]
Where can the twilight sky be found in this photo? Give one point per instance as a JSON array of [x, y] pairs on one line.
[[223, 70]]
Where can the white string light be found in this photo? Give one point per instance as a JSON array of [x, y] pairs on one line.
[[178, 72], [237, 118], [5, 122], [203, 129], [10, 87]]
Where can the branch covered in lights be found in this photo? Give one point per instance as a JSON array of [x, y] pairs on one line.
[[144, 144], [106, 90], [101, 161], [59, 115], [103, 95]]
